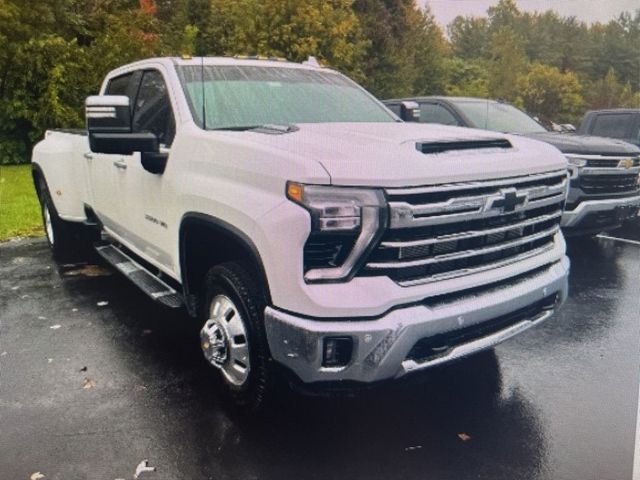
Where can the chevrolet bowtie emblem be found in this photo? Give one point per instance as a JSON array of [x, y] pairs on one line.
[[625, 163], [507, 200]]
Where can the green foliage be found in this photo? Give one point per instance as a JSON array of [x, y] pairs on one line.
[[507, 61], [551, 95], [608, 92], [406, 51], [508, 39], [54, 53], [466, 78], [469, 36], [328, 30]]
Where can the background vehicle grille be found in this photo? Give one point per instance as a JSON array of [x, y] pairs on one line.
[[453, 230], [609, 162], [599, 184]]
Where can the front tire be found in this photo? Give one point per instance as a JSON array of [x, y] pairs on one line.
[[233, 338]]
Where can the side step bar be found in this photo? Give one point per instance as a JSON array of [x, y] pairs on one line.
[[143, 278]]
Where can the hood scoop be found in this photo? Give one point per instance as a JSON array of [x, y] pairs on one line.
[[440, 147]]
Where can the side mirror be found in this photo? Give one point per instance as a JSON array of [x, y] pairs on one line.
[[410, 111], [109, 127]]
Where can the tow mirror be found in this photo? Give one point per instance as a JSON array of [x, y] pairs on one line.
[[109, 127], [410, 111]]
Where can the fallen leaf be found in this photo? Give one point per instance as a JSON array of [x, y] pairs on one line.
[[55, 327], [23, 297], [15, 288], [49, 360], [416, 447], [464, 437], [102, 304], [146, 332], [3, 354], [36, 476], [88, 271], [142, 467], [42, 318], [83, 369], [74, 309], [140, 388], [88, 384]]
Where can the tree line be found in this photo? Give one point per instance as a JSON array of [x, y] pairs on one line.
[[54, 53]]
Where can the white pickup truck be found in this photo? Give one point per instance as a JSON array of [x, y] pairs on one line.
[[303, 223]]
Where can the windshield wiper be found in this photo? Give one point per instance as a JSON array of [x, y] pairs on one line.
[[265, 128]]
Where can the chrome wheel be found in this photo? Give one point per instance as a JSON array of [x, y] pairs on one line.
[[223, 339], [48, 225]]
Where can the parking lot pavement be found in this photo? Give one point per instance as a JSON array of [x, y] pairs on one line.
[[96, 378]]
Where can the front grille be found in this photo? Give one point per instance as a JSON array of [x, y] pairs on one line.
[[452, 230], [602, 184], [604, 162]]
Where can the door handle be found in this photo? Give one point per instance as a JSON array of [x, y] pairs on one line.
[[120, 165], [88, 156]]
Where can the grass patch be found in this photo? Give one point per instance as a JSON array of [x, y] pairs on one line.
[[19, 207]]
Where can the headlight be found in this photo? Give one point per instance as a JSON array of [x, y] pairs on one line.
[[346, 223], [576, 161], [575, 164]]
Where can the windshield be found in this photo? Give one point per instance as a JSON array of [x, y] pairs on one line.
[[498, 117], [239, 97]]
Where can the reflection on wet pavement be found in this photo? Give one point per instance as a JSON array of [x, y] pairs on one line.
[[558, 402]]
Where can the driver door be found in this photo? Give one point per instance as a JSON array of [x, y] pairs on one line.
[[147, 196]]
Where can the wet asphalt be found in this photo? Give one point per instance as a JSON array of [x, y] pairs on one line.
[[89, 389]]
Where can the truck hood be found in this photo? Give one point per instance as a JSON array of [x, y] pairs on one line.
[[586, 144], [385, 154]]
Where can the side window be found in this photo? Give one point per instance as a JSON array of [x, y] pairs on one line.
[[126, 84], [433, 113], [152, 110], [394, 107], [614, 125]]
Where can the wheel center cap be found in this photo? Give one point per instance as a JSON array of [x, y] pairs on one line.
[[214, 342]]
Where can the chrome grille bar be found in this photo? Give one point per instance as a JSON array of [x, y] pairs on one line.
[[404, 215], [464, 254], [471, 233], [482, 268], [452, 187]]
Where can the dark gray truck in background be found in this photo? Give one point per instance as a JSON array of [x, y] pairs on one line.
[[605, 172], [620, 123]]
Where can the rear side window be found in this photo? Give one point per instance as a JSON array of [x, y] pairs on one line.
[[616, 125], [433, 113], [152, 110]]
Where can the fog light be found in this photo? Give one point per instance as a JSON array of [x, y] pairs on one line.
[[337, 351]]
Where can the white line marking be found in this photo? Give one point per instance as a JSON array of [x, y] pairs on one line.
[[636, 453], [624, 240]]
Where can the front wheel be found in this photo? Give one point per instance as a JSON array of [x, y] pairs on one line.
[[232, 336]]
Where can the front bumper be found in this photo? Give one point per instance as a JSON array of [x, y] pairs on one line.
[[381, 346], [573, 218]]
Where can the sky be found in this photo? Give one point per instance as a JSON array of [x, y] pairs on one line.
[[586, 10]]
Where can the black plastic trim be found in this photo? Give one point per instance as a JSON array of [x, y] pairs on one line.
[[220, 227]]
